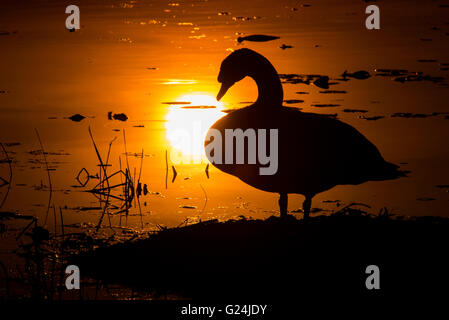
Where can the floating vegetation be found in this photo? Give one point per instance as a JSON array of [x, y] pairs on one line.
[[391, 72], [53, 153], [257, 38], [318, 80], [331, 201], [7, 33], [401, 75], [284, 46], [427, 60], [409, 115], [374, 118], [12, 144], [355, 110], [322, 82], [6, 215], [293, 78], [77, 117], [325, 105], [411, 78], [87, 208], [188, 207], [293, 101], [334, 92], [425, 199], [176, 102], [117, 116], [359, 75]]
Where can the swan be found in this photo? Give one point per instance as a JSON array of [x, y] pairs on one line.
[[315, 152]]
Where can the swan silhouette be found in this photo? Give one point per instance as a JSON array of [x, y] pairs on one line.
[[315, 152]]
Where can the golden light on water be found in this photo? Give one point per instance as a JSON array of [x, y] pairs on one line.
[[187, 125], [179, 81]]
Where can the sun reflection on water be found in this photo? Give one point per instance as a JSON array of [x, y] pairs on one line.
[[187, 125]]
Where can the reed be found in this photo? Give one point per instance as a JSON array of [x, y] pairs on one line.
[[10, 176], [48, 173]]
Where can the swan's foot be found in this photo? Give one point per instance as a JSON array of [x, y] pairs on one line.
[[283, 202], [306, 205]]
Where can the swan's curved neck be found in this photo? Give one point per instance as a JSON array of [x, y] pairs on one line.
[[268, 83]]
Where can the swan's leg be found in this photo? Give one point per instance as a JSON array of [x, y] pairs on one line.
[[283, 201], [306, 206]]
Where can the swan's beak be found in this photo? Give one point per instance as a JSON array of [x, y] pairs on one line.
[[224, 88]]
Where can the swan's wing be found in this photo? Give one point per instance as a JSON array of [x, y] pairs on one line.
[[328, 150], [315, 152]]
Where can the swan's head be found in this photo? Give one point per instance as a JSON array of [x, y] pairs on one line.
[[234, 68]]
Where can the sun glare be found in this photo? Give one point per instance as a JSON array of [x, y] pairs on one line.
[[188, 119]]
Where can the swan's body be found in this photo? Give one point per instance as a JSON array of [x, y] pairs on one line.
[[315, 152]]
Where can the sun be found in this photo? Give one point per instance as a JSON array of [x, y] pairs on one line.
[[188, 119]]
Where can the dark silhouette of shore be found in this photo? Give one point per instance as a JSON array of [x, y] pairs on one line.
[[281, 258]]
